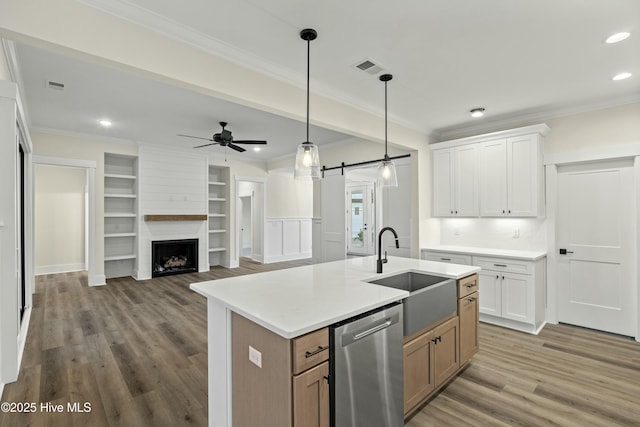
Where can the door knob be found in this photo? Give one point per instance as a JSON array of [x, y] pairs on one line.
[[564, 252]]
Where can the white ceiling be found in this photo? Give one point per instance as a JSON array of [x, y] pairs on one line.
[[518, 59]]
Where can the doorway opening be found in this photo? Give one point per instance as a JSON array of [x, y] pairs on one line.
[[250, 211], [361, 211], [246, 226], [87, 229]]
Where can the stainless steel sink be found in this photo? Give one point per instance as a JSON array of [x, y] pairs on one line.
[[431, 298]]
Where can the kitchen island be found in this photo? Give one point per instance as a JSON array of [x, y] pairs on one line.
[[293, 302]]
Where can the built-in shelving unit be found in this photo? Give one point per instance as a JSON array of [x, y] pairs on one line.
[[218, 215], [120, 214]]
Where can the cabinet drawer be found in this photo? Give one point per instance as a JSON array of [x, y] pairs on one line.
[[452, 258], [310, 349], [467, 285], [504, 264]]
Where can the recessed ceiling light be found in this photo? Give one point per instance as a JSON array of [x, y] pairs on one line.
[[256, 148], [105, 123], [617, 37], [621, 76], [477, 112]]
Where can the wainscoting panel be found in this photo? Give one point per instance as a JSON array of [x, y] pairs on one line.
[[287, 239]]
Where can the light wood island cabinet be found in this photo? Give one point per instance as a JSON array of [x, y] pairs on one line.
[[435, 354], [278, 381]]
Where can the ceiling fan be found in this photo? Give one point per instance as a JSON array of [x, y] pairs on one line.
[[225, 139]]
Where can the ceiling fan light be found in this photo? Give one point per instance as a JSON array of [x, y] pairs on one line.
[[477, 112], [387, 174], [307, 165]]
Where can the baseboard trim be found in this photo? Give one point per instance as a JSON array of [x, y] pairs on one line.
[[1, 391], [62, 268], [283, 258]]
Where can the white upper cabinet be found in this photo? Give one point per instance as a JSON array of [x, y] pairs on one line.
[[494, 175], [510, 176], [455, 184]]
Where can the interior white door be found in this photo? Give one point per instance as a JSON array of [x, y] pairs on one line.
[[332, 211], [596, 279], [360, 223]]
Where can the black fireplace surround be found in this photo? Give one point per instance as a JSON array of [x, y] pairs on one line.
[[174, 257]]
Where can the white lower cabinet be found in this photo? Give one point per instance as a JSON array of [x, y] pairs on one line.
[[512, 292]]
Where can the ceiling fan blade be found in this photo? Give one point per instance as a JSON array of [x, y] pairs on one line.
[[196, 137], [249, 141], [206, 145], [235, 147]]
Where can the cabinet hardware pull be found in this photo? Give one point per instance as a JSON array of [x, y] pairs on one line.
[[499, 265], [471, 299], [437, 339], [308, 354], [326, 377], [497, 277], [502, 277], [471, 285], [445, 259]]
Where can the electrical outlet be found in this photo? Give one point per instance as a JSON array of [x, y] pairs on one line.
[[255, 357], [516, 233]]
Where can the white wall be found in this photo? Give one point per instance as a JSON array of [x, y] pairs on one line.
[[59, 217], [288, 197], [595, 129], [4, 66]]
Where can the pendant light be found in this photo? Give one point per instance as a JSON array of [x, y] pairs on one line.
[[307, 160], [386, 169]]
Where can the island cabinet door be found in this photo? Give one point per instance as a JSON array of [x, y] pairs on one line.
[[446, 350], [468, 311], [311, 397], [418, 370]]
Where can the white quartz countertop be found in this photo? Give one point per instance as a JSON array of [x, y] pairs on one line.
[[295, 301], [531, 255]]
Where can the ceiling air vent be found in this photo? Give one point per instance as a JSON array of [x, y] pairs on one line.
[[55, 85], [369, 66]]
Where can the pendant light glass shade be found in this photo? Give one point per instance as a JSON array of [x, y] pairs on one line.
[[307, 159], [307, 162], [386, 168], [387, 173]]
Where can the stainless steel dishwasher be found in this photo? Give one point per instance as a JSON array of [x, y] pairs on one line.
[[366, 377]]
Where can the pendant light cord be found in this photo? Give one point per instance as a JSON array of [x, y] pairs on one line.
[[308, 67], [385, 121]]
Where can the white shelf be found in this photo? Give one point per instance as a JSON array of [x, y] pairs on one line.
[[217, 199], [218, 231], [112, 235], [217, 215], [119, 215], [120, 195], [119, 257], [120, 176], [220, 183], [217, 249]]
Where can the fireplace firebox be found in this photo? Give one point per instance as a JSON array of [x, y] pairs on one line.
[[174, 257]]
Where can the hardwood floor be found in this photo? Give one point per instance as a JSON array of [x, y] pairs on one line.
[[137, 353]]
